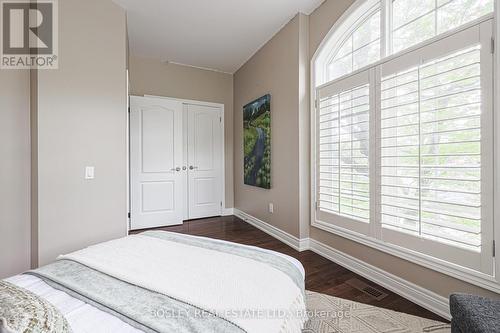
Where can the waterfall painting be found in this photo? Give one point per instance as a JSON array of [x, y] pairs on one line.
[[257, 142]]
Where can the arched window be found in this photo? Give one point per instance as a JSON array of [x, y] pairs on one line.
[[352, 44], [402, 132], [373, 29]]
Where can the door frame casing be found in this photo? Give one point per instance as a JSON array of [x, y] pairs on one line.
[[223, 144]]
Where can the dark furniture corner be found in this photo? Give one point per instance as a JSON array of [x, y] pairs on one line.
[[474, 314]]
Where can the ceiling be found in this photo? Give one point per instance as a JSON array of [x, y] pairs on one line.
[[214, 34]]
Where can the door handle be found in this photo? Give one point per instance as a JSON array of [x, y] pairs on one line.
[[176, 169], [184, 168], [192, 167]]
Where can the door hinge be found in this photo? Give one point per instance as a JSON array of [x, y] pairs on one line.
[[494, 249], [129, 109], [220, 119], [492, 45], [221, 203], [316, 204], [316, 104], [128, 214]]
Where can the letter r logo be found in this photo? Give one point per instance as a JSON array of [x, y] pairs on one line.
[[27, 27]]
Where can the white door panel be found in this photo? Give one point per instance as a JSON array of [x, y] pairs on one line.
[[158, 139], [157, 188], [205, 161]]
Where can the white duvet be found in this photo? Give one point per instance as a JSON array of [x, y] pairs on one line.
[[233, 287], [82, 317]]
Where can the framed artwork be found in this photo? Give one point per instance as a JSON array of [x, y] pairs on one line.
[[257, 142]]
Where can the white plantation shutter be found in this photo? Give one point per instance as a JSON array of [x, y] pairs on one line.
[[431, 149], [343, 123], [344, 174], [404, 152], [435, 139]]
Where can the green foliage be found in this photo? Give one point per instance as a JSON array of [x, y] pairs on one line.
[[249, 140]]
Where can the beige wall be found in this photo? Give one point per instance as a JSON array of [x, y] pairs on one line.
[[14, 172], [274, 70], [34, 166], [304, 127], [322, 20], [82, 121], [153, 77]]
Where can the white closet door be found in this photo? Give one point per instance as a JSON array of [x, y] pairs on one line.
[[204, 161], [157, 179]]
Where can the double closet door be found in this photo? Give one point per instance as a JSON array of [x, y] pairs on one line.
[[176, 158]]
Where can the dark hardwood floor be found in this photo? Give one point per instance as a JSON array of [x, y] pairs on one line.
[[322, 275]]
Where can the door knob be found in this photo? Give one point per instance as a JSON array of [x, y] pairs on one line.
[[176, 169], [192, 167], [184, 168]]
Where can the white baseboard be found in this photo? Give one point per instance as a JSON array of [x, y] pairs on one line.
[[290, 240], [304, 244], [421, 296], [227, 211]]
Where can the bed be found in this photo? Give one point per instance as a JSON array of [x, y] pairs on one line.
[[168, 282]]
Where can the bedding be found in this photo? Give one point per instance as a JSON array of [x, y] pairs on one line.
[[23, 311], [207, 286], [81, 316]]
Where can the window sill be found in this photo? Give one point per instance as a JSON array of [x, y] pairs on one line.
[[476, 278]]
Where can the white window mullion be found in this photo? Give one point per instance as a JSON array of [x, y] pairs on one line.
[[419, 106], [375, 153], [339, 153], [315, 151], [385, 31], [487, 149], [436, 17]]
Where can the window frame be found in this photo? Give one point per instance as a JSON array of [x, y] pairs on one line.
[[373, 238]]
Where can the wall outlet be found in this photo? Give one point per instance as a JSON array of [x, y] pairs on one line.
[[271, 208], [89, 172]]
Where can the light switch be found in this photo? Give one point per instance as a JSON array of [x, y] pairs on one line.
[[271, 208], [89, 172]]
